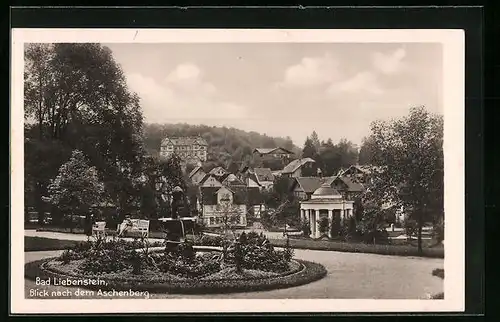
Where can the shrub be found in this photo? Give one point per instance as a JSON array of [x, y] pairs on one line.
[[306, 229], [439, 272], [207, 240], [194, 268]]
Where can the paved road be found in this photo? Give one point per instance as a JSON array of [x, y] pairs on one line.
[[350, 275]]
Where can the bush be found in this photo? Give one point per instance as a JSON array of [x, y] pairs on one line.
[[196, 267], [439, 272], [207, 240]]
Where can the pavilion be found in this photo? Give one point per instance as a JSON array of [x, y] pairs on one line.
[[326, 202]]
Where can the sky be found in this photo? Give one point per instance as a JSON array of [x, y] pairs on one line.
[[283, 89]]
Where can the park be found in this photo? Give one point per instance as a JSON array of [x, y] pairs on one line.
[[117, 207]]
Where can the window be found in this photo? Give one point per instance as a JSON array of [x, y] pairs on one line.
[[211, 220]]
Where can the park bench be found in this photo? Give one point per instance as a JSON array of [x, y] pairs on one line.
[[139, 226], [99, 228]]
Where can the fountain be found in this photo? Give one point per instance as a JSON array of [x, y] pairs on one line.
[[176, 226]]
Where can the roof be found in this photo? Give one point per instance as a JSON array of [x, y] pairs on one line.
[[235, 182], [309, 184], [264, 174], [325, 190], [194, 171], [295, 164], [352, 186], [184, 140], [253, 177], [271, 150], [205, 178], [216, 169], [209, 195], [367, 169]]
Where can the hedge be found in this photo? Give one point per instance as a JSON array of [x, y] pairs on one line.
[[394, 250], [32, 244], [309, 273]]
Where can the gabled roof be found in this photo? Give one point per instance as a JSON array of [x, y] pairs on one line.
[[264, 174], [366, 169], [194, 171], [205, 178], [309, 184], [217, 169], [235, 182], [352, 186], [272, 150], [295, 164], [184, 140], [253, 177]]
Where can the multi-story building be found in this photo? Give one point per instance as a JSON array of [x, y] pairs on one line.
[[191, 150]]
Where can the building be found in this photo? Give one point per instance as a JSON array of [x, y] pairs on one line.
[[218, 171], [360, 173], [296, 168], [197, 174], [192, 150], [210, 180], [328, 204], [278, 152], [304, 187], [221, 203], [346, 186], [264, 177]]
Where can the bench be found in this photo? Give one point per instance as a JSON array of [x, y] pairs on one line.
[[134, 225], [99, 228]]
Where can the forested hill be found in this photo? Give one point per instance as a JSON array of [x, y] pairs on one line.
[[226, 146]]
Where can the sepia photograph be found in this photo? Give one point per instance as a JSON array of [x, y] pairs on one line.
[[264, 166]]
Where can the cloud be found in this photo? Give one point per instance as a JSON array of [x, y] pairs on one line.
[[389, 63], [182, 96], [312, 71], [361, 83]]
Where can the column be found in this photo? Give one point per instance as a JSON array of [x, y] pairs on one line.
[[316, 226], [330, 222], [311, 223]]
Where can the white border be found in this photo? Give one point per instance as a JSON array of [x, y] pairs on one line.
[[454, 146]]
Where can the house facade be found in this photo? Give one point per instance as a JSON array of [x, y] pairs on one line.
[[191, 150], [221, 203]]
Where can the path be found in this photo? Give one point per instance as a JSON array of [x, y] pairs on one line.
[[350, 275]]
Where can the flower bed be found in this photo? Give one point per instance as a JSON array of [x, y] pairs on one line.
[[308, 272], [183, 268]]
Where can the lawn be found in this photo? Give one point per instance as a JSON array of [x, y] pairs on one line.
[[32, 244]]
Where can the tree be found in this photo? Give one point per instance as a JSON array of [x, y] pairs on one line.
[[410, 156], [366, 152], [315, 140], [76, 188], [230, 216], [77, 96], [309, 150]]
